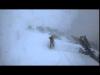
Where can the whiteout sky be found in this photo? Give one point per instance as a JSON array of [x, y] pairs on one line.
[[60, 19]]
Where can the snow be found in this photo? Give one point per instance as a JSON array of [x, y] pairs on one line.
[[96, 52], [21, 46], [31, 48]]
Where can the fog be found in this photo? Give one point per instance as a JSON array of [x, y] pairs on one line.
[[16, 20], [69, 22], [86, 23]]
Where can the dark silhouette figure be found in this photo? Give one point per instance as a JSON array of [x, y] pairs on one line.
[[51, 41]]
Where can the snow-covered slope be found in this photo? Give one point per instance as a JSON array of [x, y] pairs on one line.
[[31, 48]]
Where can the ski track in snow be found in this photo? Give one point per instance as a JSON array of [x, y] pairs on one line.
[[31, 48]]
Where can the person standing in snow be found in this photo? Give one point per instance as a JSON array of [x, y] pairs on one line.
[[51, 41]]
